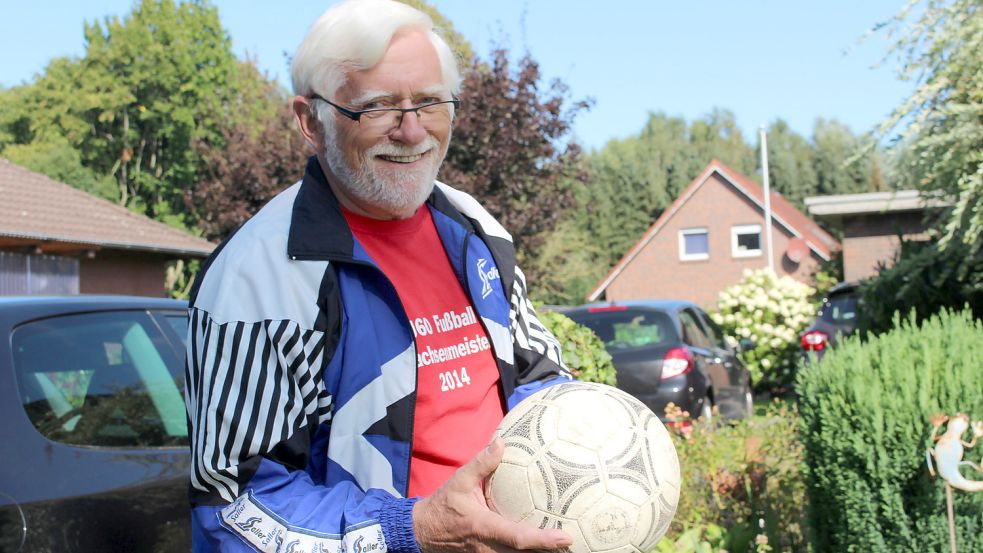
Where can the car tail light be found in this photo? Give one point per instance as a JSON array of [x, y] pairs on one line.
[[677, 361], [814, 340], [604, 308]]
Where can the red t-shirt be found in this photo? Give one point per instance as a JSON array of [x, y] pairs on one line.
[[458, 405]]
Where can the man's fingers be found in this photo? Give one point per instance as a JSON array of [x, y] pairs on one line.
[[521, 536], [476, 470]]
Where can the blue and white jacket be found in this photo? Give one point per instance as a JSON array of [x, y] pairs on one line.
[[301, 374]]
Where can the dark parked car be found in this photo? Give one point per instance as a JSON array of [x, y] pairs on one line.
[[670, 351], [94, 439], [837, 318]]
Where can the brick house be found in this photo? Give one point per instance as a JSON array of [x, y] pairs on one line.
[[873, 225], [55, 239], [706, 239]]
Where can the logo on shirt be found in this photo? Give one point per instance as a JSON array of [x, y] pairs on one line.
[[486, 277]]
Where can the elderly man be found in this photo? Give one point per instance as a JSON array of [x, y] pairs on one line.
[[354, 345]]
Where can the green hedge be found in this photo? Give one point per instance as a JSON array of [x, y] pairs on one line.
[[583, 352], [865, 413]]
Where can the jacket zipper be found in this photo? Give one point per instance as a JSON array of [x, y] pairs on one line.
[[481, 321], [416, 371]]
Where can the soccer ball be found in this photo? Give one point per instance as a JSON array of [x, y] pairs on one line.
[[591, 460]]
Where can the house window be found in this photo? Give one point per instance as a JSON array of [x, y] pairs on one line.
[[745, 241], [694, 244]]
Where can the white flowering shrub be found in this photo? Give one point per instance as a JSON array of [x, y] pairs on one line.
[[771, 311]]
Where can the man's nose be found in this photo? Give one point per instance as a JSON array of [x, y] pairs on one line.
[[410, 130]]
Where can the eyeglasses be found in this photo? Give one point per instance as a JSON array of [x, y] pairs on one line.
[[386, 119]]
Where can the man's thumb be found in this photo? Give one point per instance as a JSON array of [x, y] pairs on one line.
[[483, 464]]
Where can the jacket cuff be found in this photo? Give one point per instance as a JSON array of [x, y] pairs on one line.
[[396, 518]]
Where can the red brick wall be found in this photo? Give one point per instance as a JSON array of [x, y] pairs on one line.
[[117, 272], [873, 238], [657, 271]]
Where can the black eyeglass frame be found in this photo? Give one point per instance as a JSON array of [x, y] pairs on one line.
[[355, 115]]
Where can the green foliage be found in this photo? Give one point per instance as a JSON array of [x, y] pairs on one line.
[[840, 166], [459, 45], [940, 45], [60, 161], [865, 425], [924, 279], [741, 485], [148, 85], [827, 275], [583, 351], [179, 277], [791, 167], [510, 150], [771, 311]]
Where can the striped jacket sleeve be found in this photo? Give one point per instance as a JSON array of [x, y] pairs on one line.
[[255, 396], [538, 355]]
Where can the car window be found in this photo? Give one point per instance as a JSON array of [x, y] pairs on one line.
[[628, 329], [692, 333], [101, 379], [839, 309], [179, 324], [714, 332]]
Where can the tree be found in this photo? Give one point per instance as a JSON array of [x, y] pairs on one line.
[[717, 136], [790, 163], [246, 171], [508, 150], [842, 166], [148, 86], [459, 45], [940, 44]]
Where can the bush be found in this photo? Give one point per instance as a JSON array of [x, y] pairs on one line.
[[583, 351], [741, 485], [865, 413], [924, 278], [772, 312]]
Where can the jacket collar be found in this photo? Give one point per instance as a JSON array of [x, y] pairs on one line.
[[319, 231]]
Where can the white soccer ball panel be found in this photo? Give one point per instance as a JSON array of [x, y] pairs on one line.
[[577, 497], [573, 455], [542, 519], [631, 487], [526, 429], [621, 442], [610, 523], [645, 536], [579, 545], [595, 462], [509, 493], [624, 549]]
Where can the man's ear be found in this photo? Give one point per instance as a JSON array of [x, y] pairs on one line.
[[310, 127]]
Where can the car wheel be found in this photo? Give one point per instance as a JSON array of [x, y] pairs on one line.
[[706, 412]]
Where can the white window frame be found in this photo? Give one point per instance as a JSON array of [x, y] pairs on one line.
[[683, 256], [738, 230]]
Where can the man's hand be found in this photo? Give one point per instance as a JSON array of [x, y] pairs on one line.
[[456, 517]]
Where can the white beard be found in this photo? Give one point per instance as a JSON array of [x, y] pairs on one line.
[[399, 192]]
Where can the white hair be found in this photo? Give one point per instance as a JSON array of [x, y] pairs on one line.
[[354, 35]]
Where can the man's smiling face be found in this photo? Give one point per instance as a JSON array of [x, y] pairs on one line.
[[388, 172]]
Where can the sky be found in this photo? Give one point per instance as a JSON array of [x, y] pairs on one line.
[[761, 59]]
